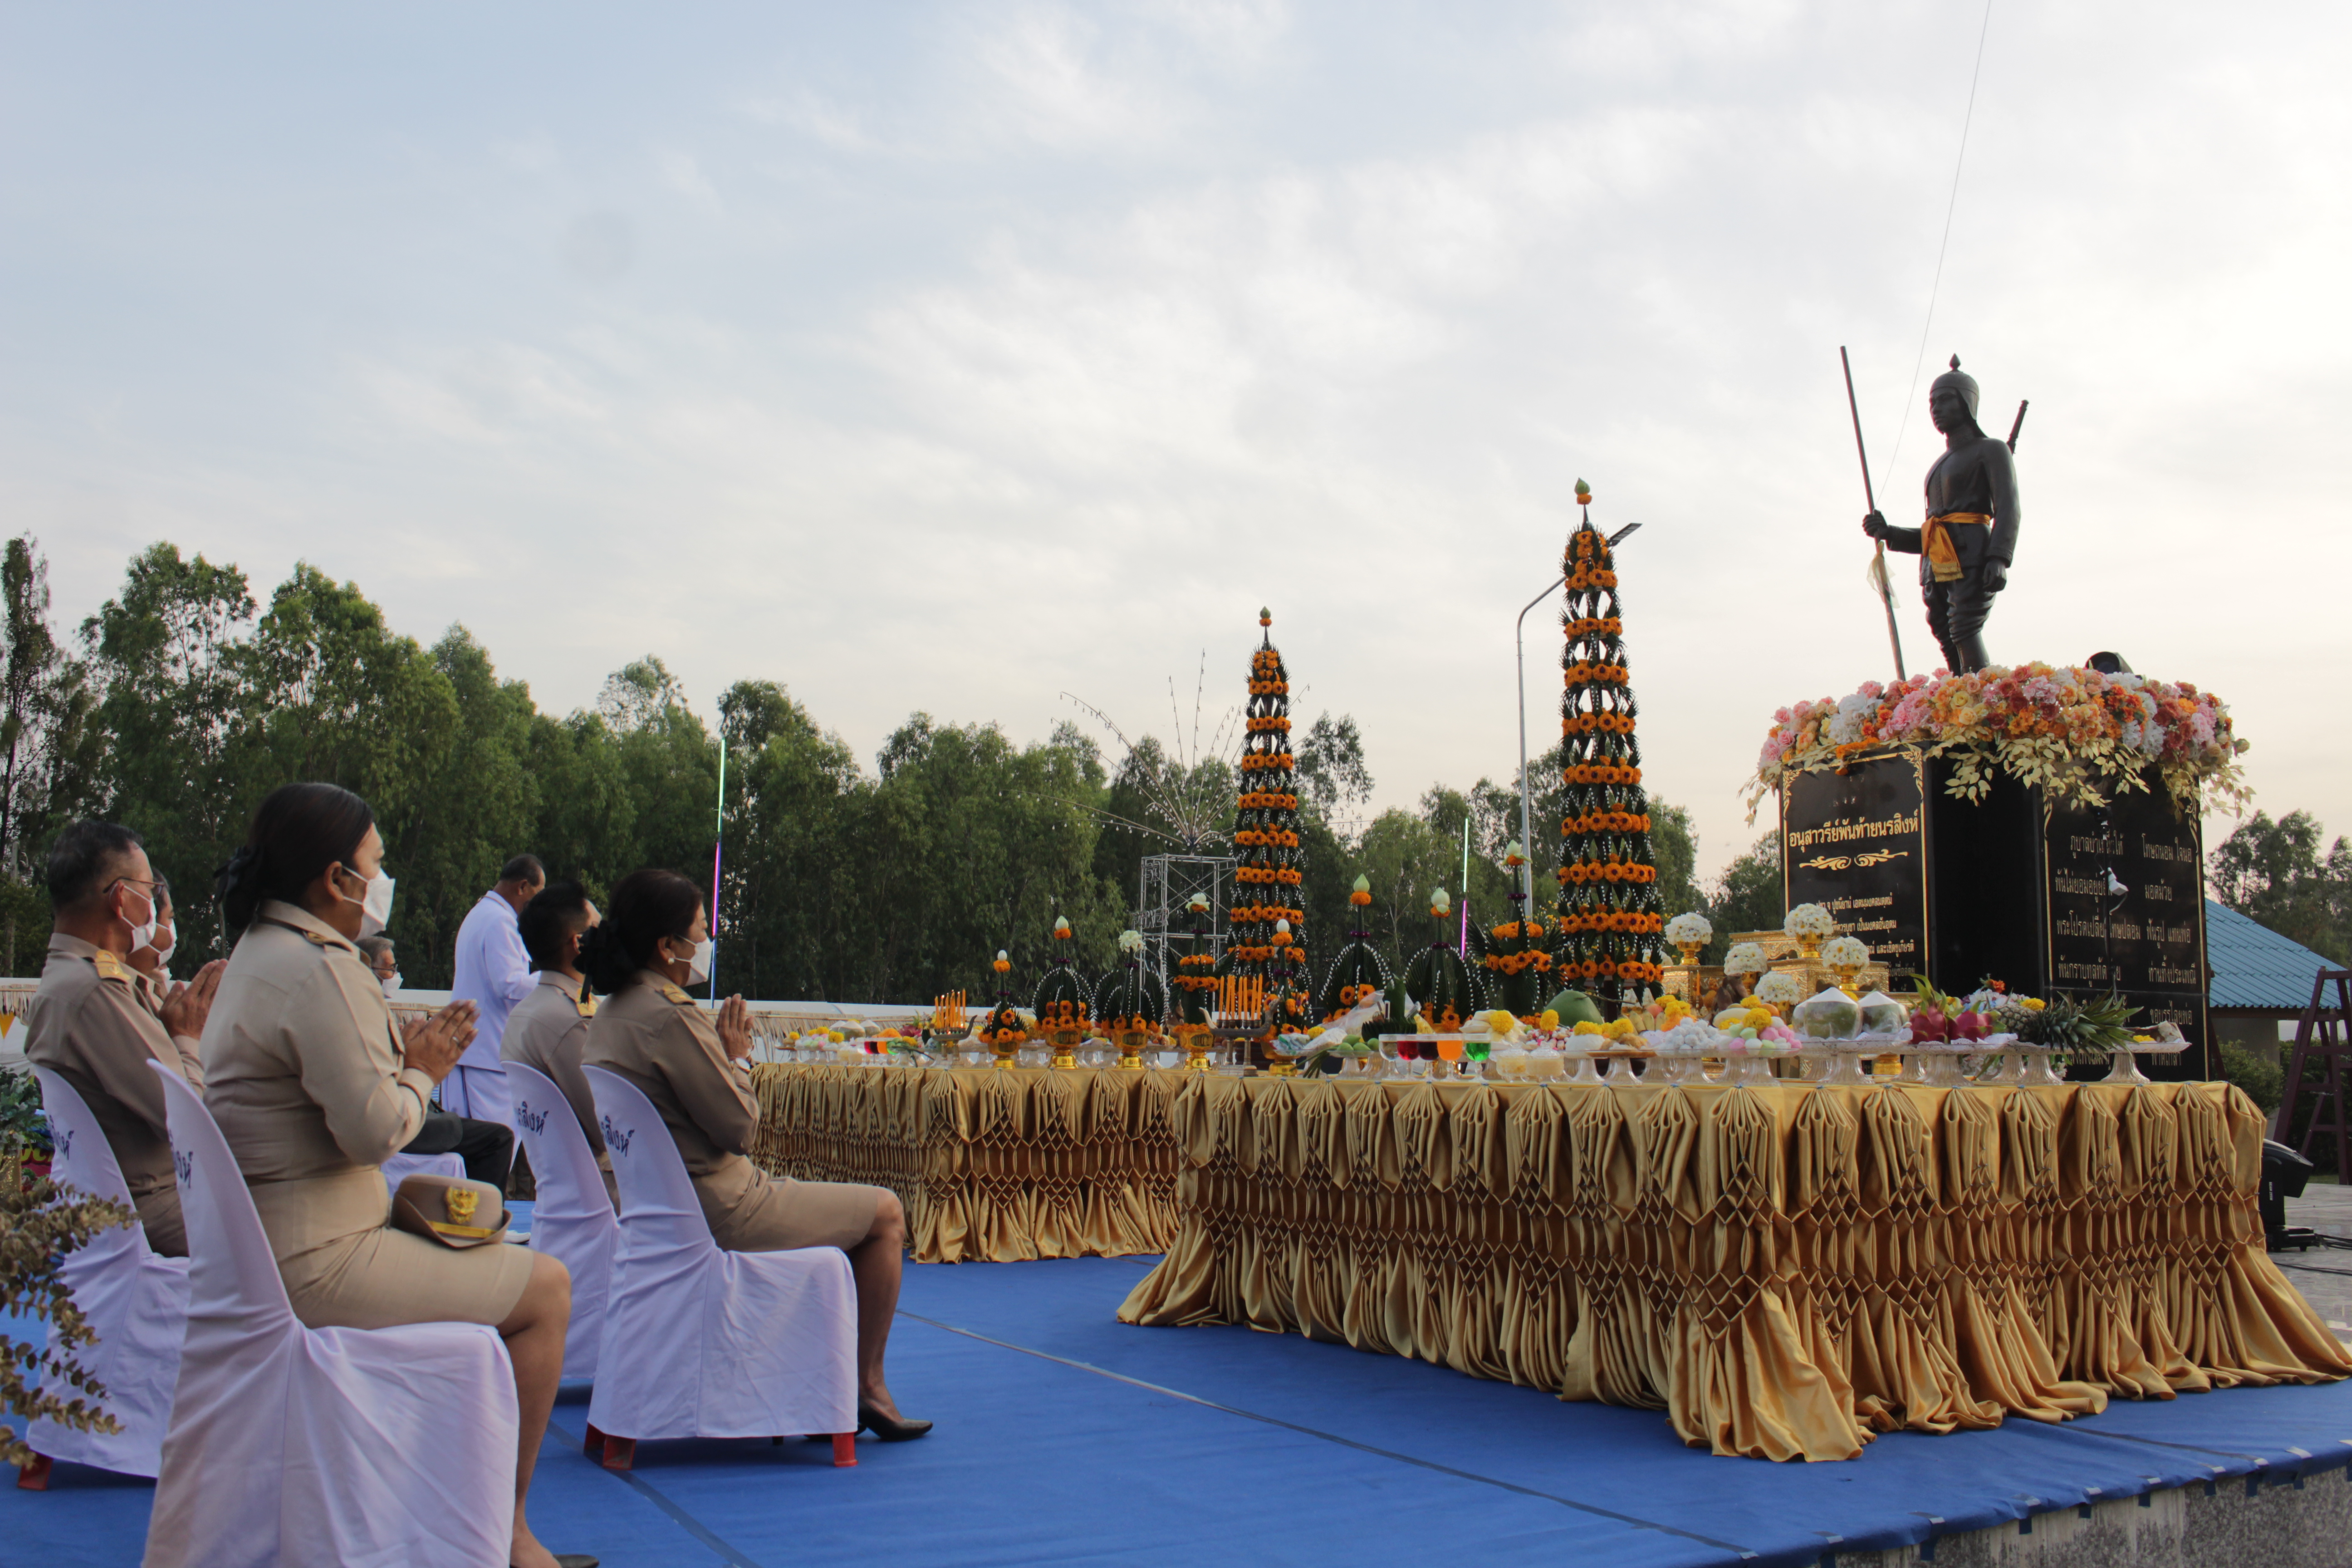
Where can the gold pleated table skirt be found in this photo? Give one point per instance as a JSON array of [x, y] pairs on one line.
[[1785, 1269], [1000, 1165]]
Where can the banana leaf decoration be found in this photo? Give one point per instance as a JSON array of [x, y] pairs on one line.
[[1359, 970], [1129, 1000], [1004, 1025], [1061, 1003], [1449, 992]]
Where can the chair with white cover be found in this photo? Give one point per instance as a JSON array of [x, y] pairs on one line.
[[136, 1302], [403, 1166], [572, 1220], [377, 1446], [699, 1343]]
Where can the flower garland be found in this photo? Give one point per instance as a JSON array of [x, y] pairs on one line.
[[2078, 735], [1262, 945], [1607, 915]]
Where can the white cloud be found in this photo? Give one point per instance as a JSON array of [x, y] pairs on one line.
[[1007, 351]]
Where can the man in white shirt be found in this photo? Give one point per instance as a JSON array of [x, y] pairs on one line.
[[494, 973]]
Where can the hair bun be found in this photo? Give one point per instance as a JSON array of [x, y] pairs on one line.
[[226, 880]]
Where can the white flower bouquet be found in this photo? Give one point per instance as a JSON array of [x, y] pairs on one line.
[[1691, 929], [1744, 958], [1779, 989], [1808, 920], [1844, 952]]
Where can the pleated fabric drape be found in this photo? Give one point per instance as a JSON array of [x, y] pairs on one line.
[[1785, 1270], [1001, 1166]]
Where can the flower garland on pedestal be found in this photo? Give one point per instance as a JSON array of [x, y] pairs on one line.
[[1264, 942], [1195, 980], [1447, 991], [1004, 1031], [1061, 1002], [1609, 916], [1130, 1002], [1358, 972], [1515, 962], [1062, 995]]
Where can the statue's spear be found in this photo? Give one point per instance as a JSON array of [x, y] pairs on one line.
[[1878, 561]]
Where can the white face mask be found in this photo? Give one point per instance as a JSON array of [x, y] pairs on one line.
[[391, 983], [375, 904], [697, 968], [163, 953], [142, 935]]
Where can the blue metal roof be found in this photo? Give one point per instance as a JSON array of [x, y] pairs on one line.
[[2253, 966]]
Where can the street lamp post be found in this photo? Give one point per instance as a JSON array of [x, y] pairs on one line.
[[1527, 797]]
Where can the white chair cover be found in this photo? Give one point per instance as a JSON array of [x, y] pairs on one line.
[[704, 1343], [137, 1302], [376, 1446], [403, 1166], [572, 1220]]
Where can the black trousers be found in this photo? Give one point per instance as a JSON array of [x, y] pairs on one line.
[[1956, 613], [487, 1148]]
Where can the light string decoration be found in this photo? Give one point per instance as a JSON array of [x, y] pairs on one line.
[[1266, 941], [1609, 922]]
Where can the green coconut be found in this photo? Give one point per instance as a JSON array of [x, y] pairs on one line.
[[1574, 1008]]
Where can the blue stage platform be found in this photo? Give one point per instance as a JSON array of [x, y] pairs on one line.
[[1066, 1438]]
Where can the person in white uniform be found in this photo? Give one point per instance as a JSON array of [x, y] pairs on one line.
[[494, 973]]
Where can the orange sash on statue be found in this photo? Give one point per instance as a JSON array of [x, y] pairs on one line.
[[1935, 539]]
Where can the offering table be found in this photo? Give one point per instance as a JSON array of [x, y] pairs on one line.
[[1000, 1165], [1785, 1268]]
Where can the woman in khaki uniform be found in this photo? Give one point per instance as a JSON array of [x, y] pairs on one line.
[[314, 1087], [695, 1069]]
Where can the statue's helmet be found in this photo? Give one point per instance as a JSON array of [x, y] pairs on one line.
[[1959, 381]]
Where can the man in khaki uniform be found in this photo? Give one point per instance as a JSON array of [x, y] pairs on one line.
[[87, 1023], [549, 1027]]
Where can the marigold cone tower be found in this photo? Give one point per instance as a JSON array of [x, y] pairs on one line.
[[1609, 922], [1265, 841]]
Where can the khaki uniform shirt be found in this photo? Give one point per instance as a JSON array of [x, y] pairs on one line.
[[303, 1072], [87, 1023], [302, 1062], [653, 1035], [548, 1030]]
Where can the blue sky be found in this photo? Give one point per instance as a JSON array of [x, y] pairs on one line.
[[954, 357]]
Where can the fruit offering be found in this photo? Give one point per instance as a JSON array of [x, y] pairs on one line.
[[1828, 1015]]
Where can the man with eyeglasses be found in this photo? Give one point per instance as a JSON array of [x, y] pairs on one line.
[[87, 1023]]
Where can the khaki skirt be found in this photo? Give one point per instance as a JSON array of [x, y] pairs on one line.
[[776, 1213], [346, 1267]]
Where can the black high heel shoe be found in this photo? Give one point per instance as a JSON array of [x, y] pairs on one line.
[[889, 1431]]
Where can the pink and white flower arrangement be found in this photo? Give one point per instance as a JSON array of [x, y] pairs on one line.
[[2077, 734]]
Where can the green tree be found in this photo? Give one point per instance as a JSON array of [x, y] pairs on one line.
[[28, 661], [795, 799], [483, 807], [1747, 897], [2273, 872], [970, 844], [165, 706]]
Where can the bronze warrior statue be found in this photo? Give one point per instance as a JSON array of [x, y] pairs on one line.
[[1970, 535]]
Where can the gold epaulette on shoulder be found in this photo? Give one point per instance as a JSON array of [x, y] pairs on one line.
[[587, 1006], [315, 938], [110, 967], [674, 995]]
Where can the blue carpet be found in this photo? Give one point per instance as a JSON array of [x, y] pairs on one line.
[[1066, 1438]]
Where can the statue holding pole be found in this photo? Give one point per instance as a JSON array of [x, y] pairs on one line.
[[1969, 538]]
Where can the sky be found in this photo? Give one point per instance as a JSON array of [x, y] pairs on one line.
[[966, 358]]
